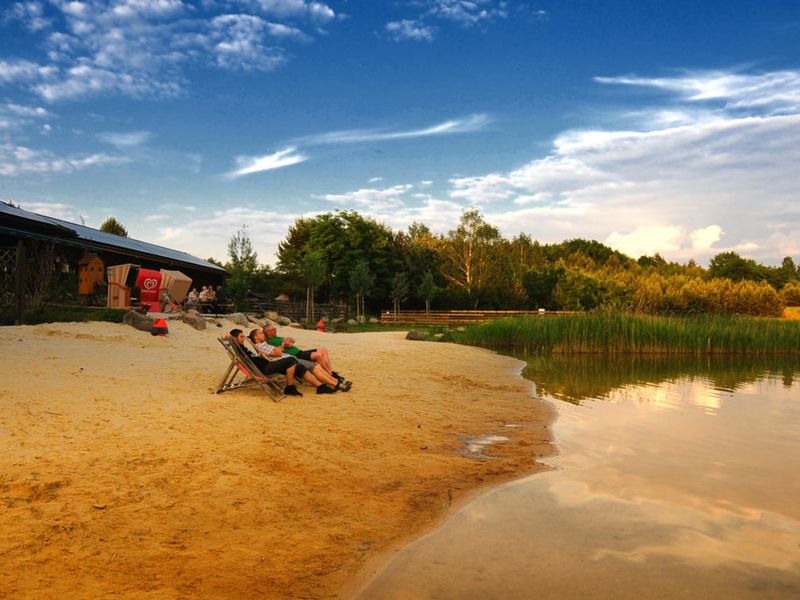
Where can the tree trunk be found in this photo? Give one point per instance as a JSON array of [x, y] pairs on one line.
[[427, 307]]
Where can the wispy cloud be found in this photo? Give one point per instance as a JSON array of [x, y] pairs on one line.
[[124, 139], [247, 165], [723, 178], [353, 136], [776, 91], [371, 198], [408, 29], [463, 13], [21, 160]]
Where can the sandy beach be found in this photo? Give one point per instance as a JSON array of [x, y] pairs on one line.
[[123, 473]]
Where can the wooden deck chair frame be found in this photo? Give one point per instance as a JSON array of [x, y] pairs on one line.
[[241, 364]]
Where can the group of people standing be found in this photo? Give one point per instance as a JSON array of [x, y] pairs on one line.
[[275, 354]]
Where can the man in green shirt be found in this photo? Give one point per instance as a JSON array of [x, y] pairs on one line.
[[318, 355]]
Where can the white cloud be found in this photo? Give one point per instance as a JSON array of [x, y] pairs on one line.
[[57, 210], [30, 14], [370, 198], [407, 29], [141, 48], [248, 165], [124, 139], [777, 91], [20, 160], [705, 238], [657, 188], [468, 12], [450, 127], [375, 179]]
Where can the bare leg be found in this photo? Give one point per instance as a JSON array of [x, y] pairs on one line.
[[323, 359], [324, 377], [309, 378], [290, 375]]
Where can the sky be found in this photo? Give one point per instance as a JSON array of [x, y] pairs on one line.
[[651, 126]]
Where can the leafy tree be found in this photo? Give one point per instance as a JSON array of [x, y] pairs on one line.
[[111, 225], [399, 290], [467, 254], [243, 263], [243, 259], [428, 290], [314, 272], [361, 282], [578, 291], [729, 265], [540, 284]]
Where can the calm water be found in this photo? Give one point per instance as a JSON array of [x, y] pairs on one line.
[[675, 479]]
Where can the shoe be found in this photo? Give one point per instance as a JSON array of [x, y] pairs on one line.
[[325, 389], [344, 385], [291, 390], [337, 376]]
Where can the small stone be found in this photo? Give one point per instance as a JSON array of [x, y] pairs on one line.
[[349, 322], [239, 319], [416, 336], [100, 506], [282, 320], [295, 326]]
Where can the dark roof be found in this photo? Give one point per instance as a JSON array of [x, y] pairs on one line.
[[19, 218]]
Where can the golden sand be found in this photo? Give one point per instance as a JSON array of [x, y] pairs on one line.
[[122, 472]]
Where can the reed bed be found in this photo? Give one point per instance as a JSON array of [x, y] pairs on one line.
[[612, 332]]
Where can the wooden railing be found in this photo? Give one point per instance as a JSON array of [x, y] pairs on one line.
[[297, 310], [458, 317]]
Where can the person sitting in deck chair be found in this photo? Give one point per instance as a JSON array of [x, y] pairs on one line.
[[318, 355], [277, 353], [288, 366]]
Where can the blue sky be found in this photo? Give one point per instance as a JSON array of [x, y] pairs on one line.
[[650, 126]]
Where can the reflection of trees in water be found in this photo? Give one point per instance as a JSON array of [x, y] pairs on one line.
[[579, 377]]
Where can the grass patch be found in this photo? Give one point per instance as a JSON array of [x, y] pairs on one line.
[[611, 332], [63, 314]]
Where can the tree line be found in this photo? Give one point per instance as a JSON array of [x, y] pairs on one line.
[[345, 257]]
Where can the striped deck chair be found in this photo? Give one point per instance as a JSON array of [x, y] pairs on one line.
[[241, 364]]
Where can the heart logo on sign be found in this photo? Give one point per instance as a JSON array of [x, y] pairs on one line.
[[150, 283]]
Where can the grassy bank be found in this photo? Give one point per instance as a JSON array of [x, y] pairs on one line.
[[63, 314], [609, 332]]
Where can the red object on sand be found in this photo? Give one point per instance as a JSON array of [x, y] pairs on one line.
[[159, 327], [149, 282], [321, 326]]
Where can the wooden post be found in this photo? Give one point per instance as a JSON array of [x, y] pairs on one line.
[[19, 288]]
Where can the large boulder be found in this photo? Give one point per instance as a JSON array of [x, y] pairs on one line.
[[361, 319], [239, 319], [416, 336], [352, 322], [271, 315], [195, 319], [283, 320], [138, 321], [373, 320]]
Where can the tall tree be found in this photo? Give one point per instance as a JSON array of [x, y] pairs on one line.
[[428, 290], [314, 272], [467, 252], [111, 225], [399, 290], [361, 282], [243, 263]]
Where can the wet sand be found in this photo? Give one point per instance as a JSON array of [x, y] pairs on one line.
[[122, 473]]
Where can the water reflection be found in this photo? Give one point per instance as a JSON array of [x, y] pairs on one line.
[[675, 478], [574, 378]]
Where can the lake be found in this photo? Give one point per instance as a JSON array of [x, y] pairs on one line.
[[675, 478]]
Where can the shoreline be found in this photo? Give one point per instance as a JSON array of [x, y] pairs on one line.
[[125, 473]]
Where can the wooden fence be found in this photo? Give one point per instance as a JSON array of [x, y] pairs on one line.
[[297, 310], [457, 317]]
